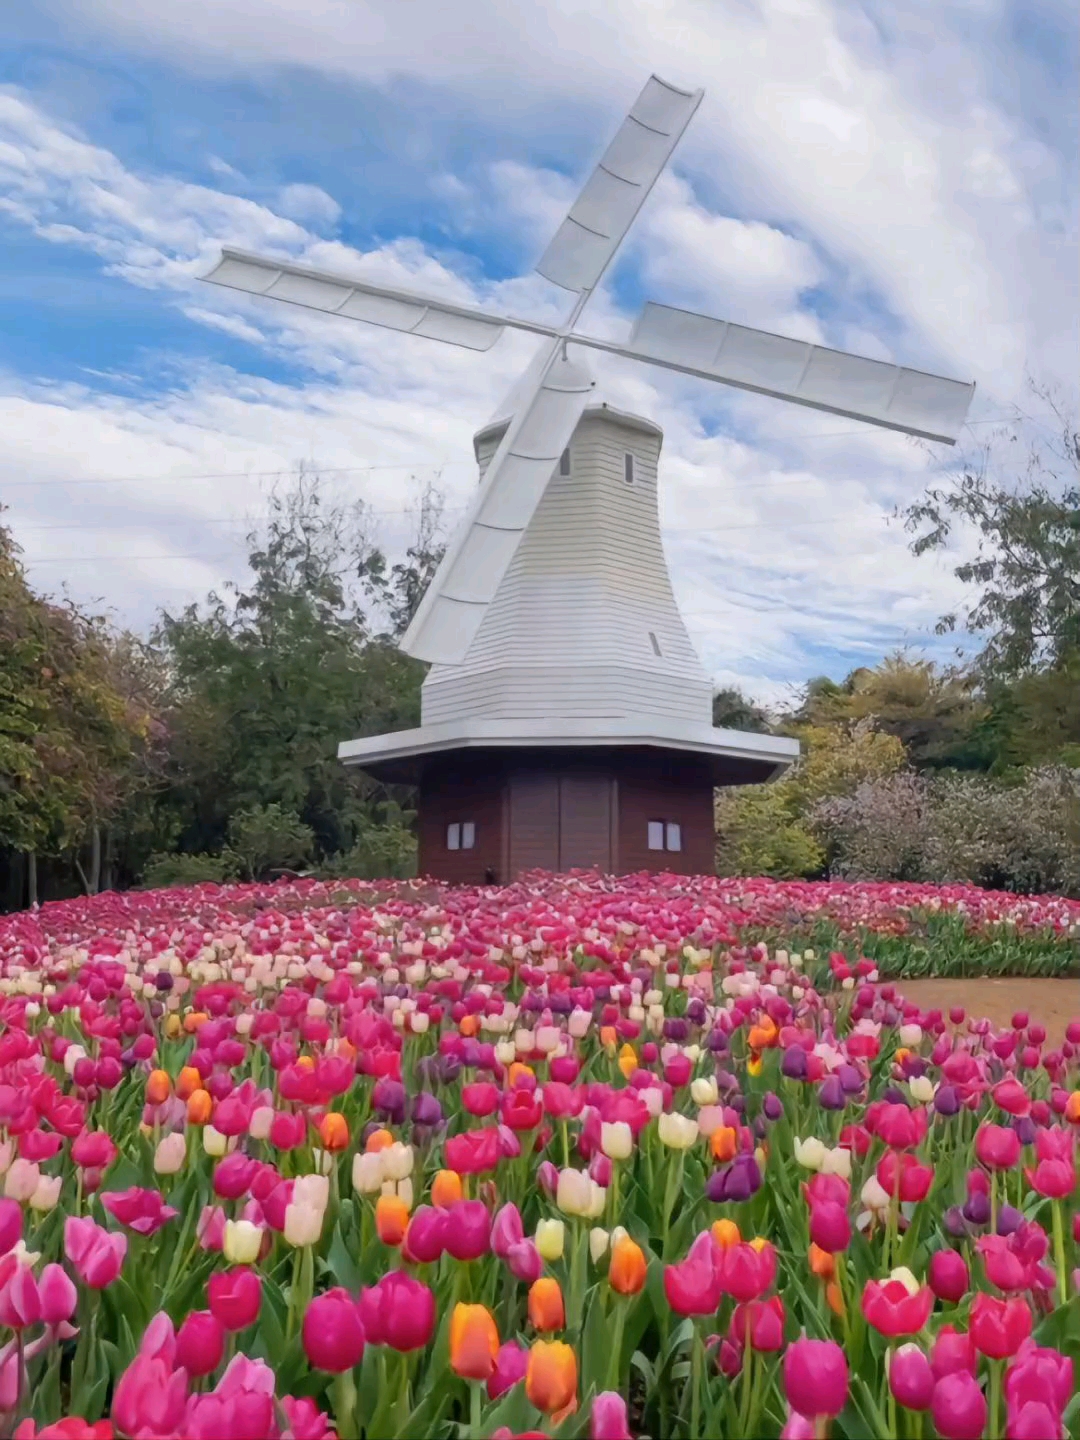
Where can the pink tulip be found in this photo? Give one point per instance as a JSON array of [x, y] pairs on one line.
[[11, 1224], [239, 1407], [58, 1295], [958, 1407], [149, 1397], [608, 1417], [143, 1211], [97, 1255], [815, 1377], [510, 1365], [524, 1262], [20, 1302], [305, 1421], [200, 1343], [235, 1297]]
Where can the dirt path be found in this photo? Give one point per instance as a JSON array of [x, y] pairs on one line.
[[1052, 1003]]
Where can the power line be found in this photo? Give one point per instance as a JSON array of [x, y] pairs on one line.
[[409, 465]]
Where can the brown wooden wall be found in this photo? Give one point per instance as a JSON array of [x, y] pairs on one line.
[[562, 811]]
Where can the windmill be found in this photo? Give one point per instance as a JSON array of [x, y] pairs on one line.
[[566, 720]]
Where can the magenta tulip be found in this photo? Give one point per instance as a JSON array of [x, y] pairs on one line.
[[911, 1379], [958, 1407], [332, 1332], [815, 1377], [200, 1343], [948, 1275]]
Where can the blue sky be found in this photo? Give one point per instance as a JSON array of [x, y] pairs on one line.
[[893, 178]]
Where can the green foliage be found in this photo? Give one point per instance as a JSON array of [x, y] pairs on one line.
[[385, 850], [164, 871], [731, 710], [758, 832], [268, 838]]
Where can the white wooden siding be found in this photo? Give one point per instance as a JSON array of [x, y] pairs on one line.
[[568, 632]]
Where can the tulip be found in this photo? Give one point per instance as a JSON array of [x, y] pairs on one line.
[[333, 1335], [763, 1320], [830, 1227], [47, 1194], [391, 1219], [574, 1193], [551, 1376], [545, 1305], [97, 1255], [999, 1327], [958, 1407], [524, 1262], [815, 1377], [367, 1173], [425, 1239], [57, 1294], [468, 1230], [810, 1153], [474, 1342], [948, 1275], [953, 1350], [150, 1397], [170, 1154], [901, 1171], [608, 1418], [200, 1343], [693, 1285], [445, 1188], [627, 1268], [242, 1243], [143, 1211], [399, 1311], [676, 1131], [911, 1379], [616, 1139], [303, 1223], [550, 1239], [746, 1271], [235, 1297], [21, 1180], [997, 1146], [510, 1366], [334, 1132], [11, 1224]]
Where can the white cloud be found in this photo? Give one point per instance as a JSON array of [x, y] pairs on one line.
[[309, 205]]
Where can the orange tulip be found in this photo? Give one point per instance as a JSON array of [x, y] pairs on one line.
[[1072, 1108], [763, 1035], [726, 1233], [391, 1219], [628, 1061], [188, 1081], [724, 1143], [194, 1019], [822, 1263], [626, 1269], [474, 1341], [518, 1071], [834, 1298], [546, 1309], [306, 1062], [469, 1025], [200, 1107], [158, 1087], [446, 1189], [334, 1131], [551, 1376], [378, 1140], [608, 1036]]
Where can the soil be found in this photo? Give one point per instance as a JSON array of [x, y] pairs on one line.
[[1052, 1003]]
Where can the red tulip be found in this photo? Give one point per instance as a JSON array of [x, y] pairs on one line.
[[200, 1343], [746, 1271], [520, 1111], [997, 1146], [333, 1334], [999, 1327], [235, 1296], [893, 1310], [481, 1098], [234, 1174], [474, 1152], [948, 1275], [815, 1377], [399, 1311], [958, 1407], [914, 1179]]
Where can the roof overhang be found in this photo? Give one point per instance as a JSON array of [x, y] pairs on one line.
[[400, 757], [600, 410]]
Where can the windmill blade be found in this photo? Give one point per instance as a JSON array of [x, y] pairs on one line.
[[375, 304], [479, 555], [880, 393], [593, 230]]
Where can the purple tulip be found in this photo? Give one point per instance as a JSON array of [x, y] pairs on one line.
[[717, 1042], [850, 1079], [794, 1065], [426, 1109], [388, 1099], [1008, 1220], [946, 1100], [977, 1209], [772, 1107], [831, 1093]]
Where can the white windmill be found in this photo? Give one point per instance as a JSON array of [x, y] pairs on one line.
[[566, 719]]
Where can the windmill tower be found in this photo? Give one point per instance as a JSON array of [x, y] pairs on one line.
[[566, 720]]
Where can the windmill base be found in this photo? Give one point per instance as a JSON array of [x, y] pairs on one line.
[[541, 809]]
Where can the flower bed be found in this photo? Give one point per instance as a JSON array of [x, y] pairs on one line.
[[577, 1157]]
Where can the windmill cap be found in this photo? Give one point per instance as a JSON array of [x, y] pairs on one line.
[[602, 410]]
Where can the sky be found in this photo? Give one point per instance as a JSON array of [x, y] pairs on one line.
[[893, 178]]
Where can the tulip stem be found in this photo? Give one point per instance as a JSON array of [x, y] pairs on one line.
[[1059, 1251], [995, 1397], [475, 1411], [747, 1385], [696, 1357]]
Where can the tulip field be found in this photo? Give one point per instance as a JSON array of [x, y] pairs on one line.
[[577, 1157]]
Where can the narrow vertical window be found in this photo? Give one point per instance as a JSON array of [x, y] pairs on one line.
[[655, 643], [453, 837], [468, 835], [656, 835], [628, 468], [564, 462], [674, 836]]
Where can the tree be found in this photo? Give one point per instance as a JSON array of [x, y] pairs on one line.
[[731, 710], [266, 680], [1026, 520]]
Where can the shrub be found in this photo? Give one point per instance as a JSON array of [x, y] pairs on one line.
[[384, 851], [881, 830], [758, 832], [265, 838], [165, 872]]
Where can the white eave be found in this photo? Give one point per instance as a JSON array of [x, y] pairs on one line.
[[774, 753]]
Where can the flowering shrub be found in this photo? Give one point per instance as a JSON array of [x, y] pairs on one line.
[[570, 1157]]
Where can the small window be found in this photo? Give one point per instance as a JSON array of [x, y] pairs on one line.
[[655, 643], [674, 836], [564, 462], [628, 468], [656, 835], [468, 835], [453, 837]]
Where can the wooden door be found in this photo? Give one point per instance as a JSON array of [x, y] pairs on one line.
[[585, 827], [533, 822]]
